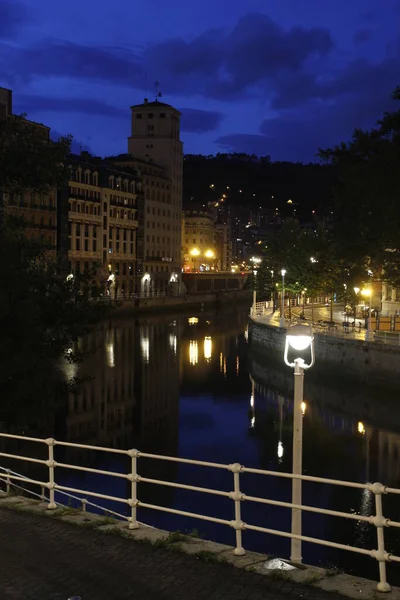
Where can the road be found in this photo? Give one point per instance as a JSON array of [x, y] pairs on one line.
[[323, 313]]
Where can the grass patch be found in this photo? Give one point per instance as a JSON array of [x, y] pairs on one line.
[[209, 557]]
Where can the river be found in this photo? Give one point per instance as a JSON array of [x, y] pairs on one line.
[[188, 386]]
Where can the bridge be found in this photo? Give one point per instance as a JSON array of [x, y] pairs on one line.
[[214, 282]]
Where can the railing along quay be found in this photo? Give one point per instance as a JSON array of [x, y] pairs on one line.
[[261, 312], [377, 520]]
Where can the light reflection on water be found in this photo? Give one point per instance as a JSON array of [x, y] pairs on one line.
[[188, 386]]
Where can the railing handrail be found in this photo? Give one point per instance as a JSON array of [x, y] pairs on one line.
[[237, 496]]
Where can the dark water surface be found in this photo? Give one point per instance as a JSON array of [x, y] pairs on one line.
[[189, 386]]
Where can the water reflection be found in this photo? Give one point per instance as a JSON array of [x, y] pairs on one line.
[[207, 349], [193, 352]]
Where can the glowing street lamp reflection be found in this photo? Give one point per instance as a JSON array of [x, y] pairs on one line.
[[172, 342], [207, 349], [110, 355], [303, 408], [280, 451], [193, 352], [361, 428], [145, 349], [193, 320]]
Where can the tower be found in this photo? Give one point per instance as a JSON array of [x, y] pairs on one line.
[[155, 139]]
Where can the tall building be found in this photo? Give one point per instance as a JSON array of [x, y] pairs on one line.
[[155, 148]]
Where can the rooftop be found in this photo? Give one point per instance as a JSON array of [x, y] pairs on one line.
[[154, 104]]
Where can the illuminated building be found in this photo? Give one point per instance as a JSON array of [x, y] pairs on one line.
[[156, 152], [102, 223], [200, 241]]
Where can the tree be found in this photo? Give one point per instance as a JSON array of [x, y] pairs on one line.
[[41, 317], [29, 160], [42, 314], [366, 198]]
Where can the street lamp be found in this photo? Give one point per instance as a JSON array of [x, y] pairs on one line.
[[298, 339], [368, 335], [282, 319]]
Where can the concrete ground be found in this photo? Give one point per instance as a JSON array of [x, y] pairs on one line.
[[45, 558]]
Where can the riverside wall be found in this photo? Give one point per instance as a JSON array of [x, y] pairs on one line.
[[368, 362], [182, 303]]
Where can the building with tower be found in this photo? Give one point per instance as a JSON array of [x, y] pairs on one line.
[[156, 152]]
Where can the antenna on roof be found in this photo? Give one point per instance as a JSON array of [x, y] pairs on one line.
[[158, 93]]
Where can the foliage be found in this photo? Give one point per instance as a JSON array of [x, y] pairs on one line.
[[366, 197], [41, 317], [29, 160], [41, 313]]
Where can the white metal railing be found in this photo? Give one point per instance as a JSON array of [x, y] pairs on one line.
[[237, 496], [261, 310]]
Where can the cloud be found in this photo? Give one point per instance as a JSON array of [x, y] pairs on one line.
[[66, 59], [220, 64], [200, 121], [13, 16], [372, 83], [299, 133], [362, 35], [30, 103]]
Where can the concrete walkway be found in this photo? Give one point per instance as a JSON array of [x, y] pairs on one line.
[[43, 558]]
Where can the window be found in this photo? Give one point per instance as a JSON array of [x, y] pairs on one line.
[[94, 245], [162, 115], [77, 244], [86, 245], [150, 115], [138, 115]]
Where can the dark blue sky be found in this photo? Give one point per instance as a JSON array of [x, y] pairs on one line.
[[281, 77]]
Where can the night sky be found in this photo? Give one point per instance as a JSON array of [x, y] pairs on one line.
[[277, 77]]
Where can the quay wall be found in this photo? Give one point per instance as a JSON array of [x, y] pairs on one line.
[[369, 362]]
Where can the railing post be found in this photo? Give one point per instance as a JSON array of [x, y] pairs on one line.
[[380, 522], [236, 495], [51, 464], [8, 482], [133, 478]]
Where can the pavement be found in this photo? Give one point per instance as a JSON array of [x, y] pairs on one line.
[[43, 558]]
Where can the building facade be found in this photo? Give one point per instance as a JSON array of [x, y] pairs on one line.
[[102, 223], [206, 239], [200, 241], [156, 150]]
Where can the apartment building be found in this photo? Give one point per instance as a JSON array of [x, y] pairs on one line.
[[102, 222], [199, 241]]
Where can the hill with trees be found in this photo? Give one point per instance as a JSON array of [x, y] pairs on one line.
[[258, 182]]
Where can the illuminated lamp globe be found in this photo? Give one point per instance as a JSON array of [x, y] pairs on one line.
[[209, 254], [299, 337]]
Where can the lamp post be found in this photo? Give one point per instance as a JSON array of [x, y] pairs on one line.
[[298, 338], [282, 322], [368, 335]]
